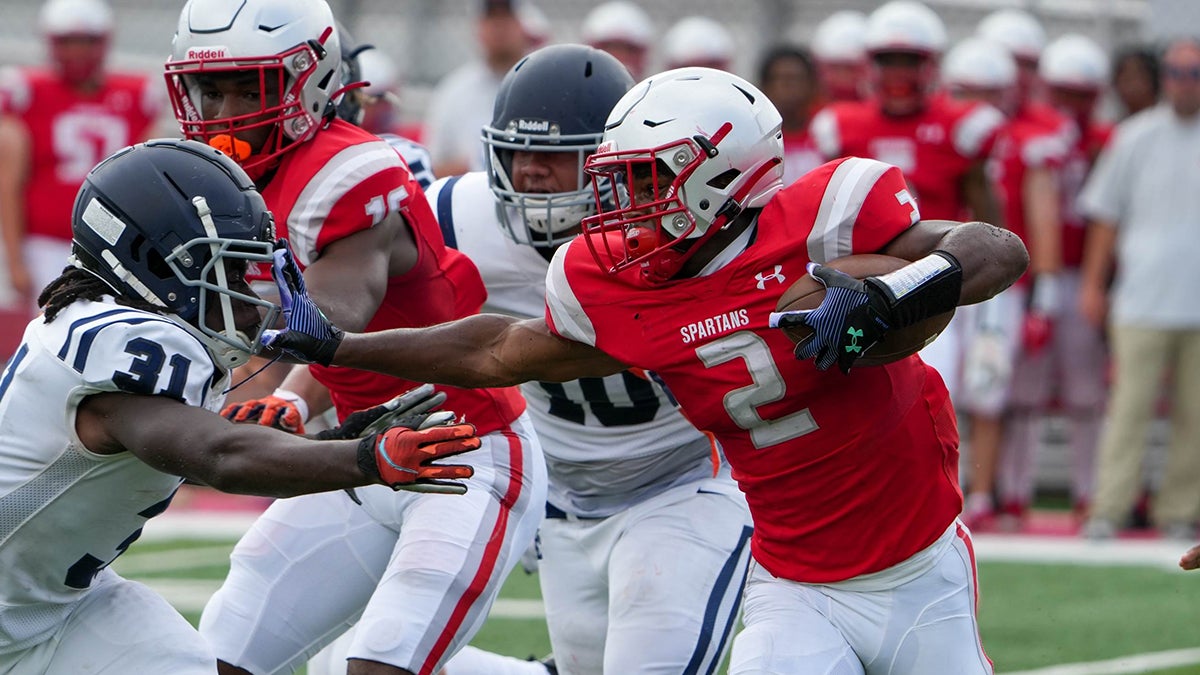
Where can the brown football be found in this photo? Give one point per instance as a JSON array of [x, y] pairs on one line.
[[897, 344]]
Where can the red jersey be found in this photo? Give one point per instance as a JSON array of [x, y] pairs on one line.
[[345, 180], [934, 148], [70, 132], [844, 474], [1082, 150], [1023, 143], [800, 155]]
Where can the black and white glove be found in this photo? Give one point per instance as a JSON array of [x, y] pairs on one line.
[[307, 336], [376, 420], [854, 314]]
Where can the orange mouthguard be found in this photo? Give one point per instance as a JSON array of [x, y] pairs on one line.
[[236, 148]]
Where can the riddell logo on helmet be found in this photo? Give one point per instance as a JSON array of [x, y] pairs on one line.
[[194, 54], [533, 126]]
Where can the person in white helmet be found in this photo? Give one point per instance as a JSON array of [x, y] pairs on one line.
[[56, 123], [837, 47], [622, 29], [940, 144], [1023, 167], [698, 41]]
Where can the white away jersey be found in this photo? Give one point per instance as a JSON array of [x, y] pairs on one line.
[[65, 512], [636, 444]]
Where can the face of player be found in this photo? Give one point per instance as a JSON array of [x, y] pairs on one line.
[[842, 80], [901, 79], [632, 56], [790, 87], [238, 95], [1181, 78], [79, 58], [1027, 76], [1076, 103], [545, 172], [246, 317]]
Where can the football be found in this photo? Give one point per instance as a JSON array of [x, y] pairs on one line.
[[897, 344]]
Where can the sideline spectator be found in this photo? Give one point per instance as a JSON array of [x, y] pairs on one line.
[[56, 123], [1145, 212], [787, 76], [624, 30], [462, 102], [1136, 80]]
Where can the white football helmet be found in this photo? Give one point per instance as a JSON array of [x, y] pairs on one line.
[[1074, 61], [292, 42], [618, 20], [698, 40], [1015, 29], [75, 17], [713, 135], [979, 63], [839, 38], [905, 26]]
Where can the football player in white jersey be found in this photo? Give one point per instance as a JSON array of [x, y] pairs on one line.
[[136, 342], [645, 545]]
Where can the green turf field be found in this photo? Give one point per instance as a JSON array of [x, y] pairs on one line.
[[1032, 615]]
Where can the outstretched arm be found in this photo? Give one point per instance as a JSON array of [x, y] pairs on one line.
[[197, 444], [486, 350]]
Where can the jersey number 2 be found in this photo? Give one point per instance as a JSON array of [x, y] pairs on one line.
[[767, 386]]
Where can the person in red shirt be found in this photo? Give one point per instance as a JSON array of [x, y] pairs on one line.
[[787, 76], [1071, 365], [851, 474], [420, 569], [57, 122], [1022, 166], [940, 144], [837, 47]]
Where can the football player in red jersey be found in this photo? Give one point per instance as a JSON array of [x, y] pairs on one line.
[[1071, 367], [1022, 166], [860, 563], [418, 572], [56, 123], [940, 144]]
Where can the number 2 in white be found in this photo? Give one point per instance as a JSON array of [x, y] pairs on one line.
[[767, 387]]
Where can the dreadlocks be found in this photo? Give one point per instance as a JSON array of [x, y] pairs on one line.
[[78, 284]]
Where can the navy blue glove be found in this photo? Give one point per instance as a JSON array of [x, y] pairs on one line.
[[851, 318], [308, 336]]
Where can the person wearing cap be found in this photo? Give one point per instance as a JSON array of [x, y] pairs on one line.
[[506, 30], [57, 121], [622, 29]]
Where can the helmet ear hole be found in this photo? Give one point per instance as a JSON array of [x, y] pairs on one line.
[[157, 265]]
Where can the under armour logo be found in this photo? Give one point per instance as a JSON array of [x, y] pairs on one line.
[[764, 278], [854, 334]]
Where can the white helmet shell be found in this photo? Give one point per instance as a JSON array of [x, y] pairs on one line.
[[688, 102], [379, 70], [1074, 61], [617, 21], [697, 39], [1017, 30], [905, 26], [839, 38], [979, 63], [75, 17]]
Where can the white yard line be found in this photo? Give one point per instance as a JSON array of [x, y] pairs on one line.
[[1125, 665]]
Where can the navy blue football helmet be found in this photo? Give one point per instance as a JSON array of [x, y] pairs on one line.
[[554, 100], [173, 222]]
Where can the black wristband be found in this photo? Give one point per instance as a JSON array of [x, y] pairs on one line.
[[919, 290], [366, 458]]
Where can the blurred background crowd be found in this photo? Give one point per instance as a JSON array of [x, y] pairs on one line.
[[1072, 122]]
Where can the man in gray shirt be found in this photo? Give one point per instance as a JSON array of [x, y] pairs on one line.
[[1144, 202]]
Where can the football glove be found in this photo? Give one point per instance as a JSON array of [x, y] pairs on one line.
[[307, 335], [386, 415], [279, 410], [1045, 303], [402, 457], [854, 314]]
